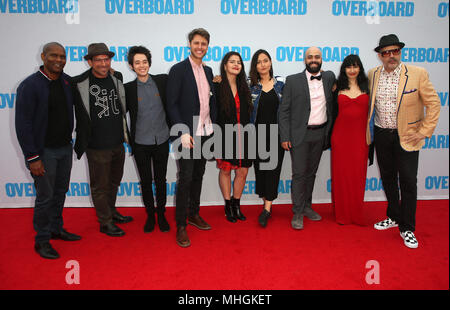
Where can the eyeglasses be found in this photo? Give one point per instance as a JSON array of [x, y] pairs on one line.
[[104, 60], [388, 53]]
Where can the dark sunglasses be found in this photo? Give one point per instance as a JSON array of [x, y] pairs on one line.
[[388, 53]]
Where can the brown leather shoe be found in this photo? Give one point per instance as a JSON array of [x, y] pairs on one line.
[[198, 222], [182, 237]]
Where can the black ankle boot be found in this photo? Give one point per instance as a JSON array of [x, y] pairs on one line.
[[229, 212], [263, 217], [236, 206]]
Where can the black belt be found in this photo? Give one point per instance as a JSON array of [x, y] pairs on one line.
[[391, 130], [314, 127]]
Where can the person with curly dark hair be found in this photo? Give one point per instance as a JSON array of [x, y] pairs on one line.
[[149, 138]]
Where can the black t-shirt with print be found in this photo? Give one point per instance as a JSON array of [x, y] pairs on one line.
[[106, 115]]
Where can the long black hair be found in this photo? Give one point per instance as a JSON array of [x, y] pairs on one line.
[[363, 82], [241, 83], [254, 75]]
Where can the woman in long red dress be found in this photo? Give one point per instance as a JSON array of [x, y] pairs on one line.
[[349, 150]]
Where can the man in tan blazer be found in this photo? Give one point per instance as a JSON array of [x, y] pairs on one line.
[[398, 127]]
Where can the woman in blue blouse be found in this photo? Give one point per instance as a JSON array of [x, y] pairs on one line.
[[266, 96]]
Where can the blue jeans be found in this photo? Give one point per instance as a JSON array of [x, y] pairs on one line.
[[51, 189]]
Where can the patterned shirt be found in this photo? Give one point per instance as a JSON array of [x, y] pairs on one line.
[[386, 98]]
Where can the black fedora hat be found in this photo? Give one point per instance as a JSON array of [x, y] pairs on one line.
[[96, 49], [387, 40]]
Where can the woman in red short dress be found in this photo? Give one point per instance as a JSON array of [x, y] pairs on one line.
[[349, 150], [234, 102]]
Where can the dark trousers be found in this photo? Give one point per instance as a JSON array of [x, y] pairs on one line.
[[105, 174], [144, 156], [305, 162], [189, 186], [267, 181], [51, 189], [397, 166]]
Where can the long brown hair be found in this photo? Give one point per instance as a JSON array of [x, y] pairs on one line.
[[254, 75], [241, 83]]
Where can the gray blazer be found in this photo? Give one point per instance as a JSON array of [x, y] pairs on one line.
[[296, 106]]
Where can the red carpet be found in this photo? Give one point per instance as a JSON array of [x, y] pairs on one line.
[[241, 256]]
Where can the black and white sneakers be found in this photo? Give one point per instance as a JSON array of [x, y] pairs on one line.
[[409, 239], [408, 236], [386, 224]]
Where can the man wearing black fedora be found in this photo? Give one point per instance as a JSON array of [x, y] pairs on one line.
[[101, 131], [398, 126]]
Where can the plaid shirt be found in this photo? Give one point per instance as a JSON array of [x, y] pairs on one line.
[[386, 99]]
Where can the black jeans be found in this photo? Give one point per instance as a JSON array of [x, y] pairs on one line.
[[397, 166], [51, 189], [105, 174], [144, 156], [189, 186]]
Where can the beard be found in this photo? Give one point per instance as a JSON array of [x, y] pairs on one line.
[[315, 69], [393, 62]]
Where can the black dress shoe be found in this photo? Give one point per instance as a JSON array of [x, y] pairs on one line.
[[112, 230], [149, 223], [120, 219], [45, 250], [162, 222], [66, 236]]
